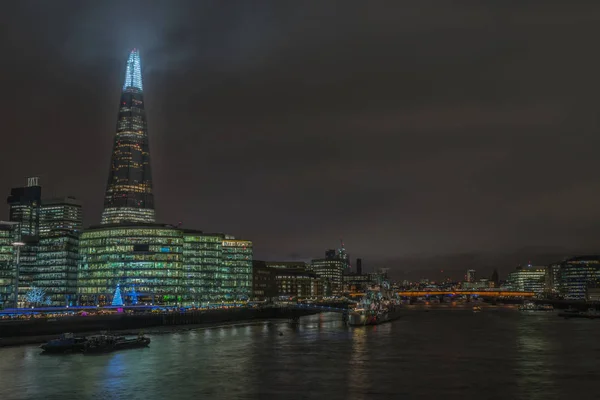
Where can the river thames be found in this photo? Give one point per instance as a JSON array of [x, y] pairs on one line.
[[445, 354]]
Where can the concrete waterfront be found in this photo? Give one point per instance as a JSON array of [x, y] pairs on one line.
[[17, 331]]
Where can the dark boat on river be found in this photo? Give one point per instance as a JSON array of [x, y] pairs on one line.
[[108, 343], [66, 343]]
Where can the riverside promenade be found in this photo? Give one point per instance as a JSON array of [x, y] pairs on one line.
[[35, 330]]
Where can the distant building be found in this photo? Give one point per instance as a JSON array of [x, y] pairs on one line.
[[330, 254], [356, 282], [470, 276], [359, 266], [495, 279], [263, 282], [478, 285], [331, 270], [552, 280], [286, 264], [24, 207], [528, 279], [592, 293], [576, 274], [297, 284]]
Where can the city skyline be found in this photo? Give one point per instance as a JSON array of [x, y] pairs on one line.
[[298, 142]]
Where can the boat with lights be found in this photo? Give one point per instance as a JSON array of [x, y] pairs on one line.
[[377, 306], [532, 307]]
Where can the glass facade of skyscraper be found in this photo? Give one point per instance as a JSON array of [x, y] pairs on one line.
[[129, 195]]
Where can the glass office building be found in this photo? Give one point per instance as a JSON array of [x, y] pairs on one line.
[[57, 255], [61, 214], [146, 260], [129, 195], [576, 274], [162, 265], [331, 271], [528, 279], [237, 268], [206, 280], [24, 206], [8, 234]]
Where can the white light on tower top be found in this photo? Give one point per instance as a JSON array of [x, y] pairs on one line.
[[133, 74]]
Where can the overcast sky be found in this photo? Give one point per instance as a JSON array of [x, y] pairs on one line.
[[414, 130]]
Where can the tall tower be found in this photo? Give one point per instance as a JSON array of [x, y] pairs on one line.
[[129, 195]]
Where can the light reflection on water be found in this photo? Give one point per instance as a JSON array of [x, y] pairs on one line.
[[496, 354]]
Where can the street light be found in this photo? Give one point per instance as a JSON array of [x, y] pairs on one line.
[[18, 245]]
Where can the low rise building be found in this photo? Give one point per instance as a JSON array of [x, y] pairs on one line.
[[263, 282], [297, 284]]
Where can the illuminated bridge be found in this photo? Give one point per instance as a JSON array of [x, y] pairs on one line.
[[452, 293]]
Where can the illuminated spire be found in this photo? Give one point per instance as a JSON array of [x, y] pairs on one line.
[[133, 74]]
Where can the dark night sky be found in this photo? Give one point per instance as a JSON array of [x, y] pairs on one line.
[[428, 134]]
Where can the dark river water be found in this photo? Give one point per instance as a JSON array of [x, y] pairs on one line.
[[440, 354]]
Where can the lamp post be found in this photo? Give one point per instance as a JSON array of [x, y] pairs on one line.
[[18, 246]]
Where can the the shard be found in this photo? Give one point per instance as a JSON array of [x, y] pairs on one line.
[[129, 197]]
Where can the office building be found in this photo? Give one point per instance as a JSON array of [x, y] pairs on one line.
[[263, 282], [129, 195], [202, 254], [528, 279], [162, 265], [552, 280], [237, 268], [576, 274], [330, 269], [9, 233], [55, 271], [495, 279], [60, 215], [217, 267], [297, 284], [470, 277], [356, 282], [24, 206], [287, 264], [145, 260]]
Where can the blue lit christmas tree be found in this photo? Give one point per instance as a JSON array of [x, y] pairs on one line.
[[133, 295], [117, 300]]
